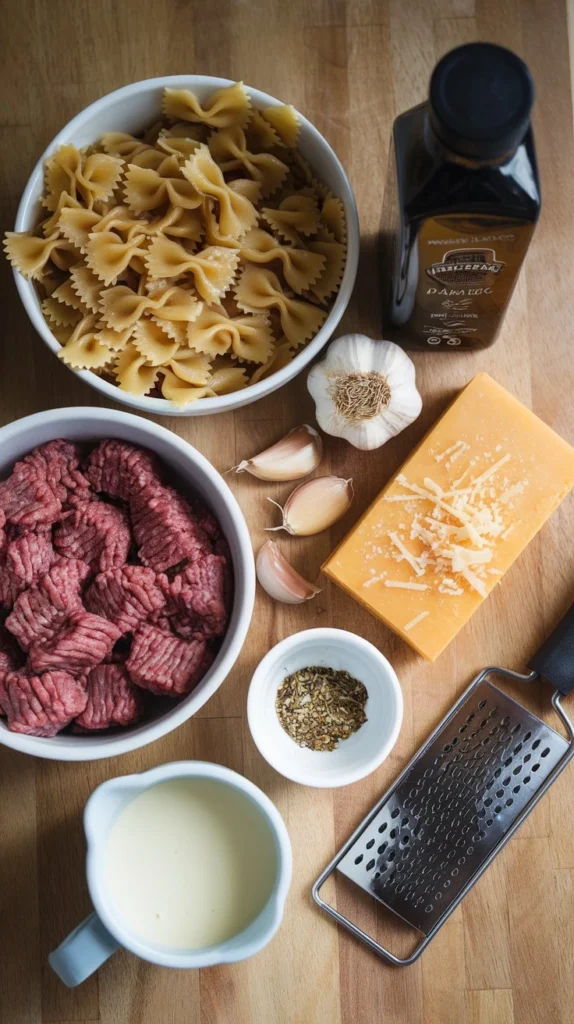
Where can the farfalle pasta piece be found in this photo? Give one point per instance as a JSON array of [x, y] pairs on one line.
[[333, 217], [107, 254], [281, 356], [92, 177], [192, 367], [260, 289], [236, 214], [261, 132], [123, 144], [175, 329], [228, 106], [152, 342], [181, 140], [285, 123], [30, 254], [114, 340], [178, 222], [248, 338], [84, 349], [59, 313], [229, 148], [121, 307], [147, 189], [300, 267], [221, 382], [296, 215], [213, 269], [132, 372], [330, 280], [65, 202], [87, 286], [66, 294], [78, 224]]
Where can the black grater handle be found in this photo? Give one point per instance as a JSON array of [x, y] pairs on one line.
[[554, 661]]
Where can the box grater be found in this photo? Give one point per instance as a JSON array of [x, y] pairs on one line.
[[460, 799]]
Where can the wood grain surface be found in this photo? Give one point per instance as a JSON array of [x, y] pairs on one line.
[[507, 955]]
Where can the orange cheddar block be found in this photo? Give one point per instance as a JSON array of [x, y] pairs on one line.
[[446, 528]]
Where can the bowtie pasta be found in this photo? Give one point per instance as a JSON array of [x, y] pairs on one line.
[[193, 261]]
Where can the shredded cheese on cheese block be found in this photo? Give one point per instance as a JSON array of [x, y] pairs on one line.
[[444, 530]]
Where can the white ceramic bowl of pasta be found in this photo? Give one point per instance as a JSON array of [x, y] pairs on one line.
[[193, 472], [131, 109]]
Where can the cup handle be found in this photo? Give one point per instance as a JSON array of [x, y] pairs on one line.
[[82, 951]]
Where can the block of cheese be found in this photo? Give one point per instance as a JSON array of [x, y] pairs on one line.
[[463, 506]]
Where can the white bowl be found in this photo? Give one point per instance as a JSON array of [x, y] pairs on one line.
[[130, 110], [353, 758], [194, 472]]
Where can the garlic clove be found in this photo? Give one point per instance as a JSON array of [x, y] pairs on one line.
[[293, 457], [279, 579], [364, 391], [315, 505]]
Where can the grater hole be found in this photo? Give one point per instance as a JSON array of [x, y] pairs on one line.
[[382, 848], [516, 789], [527, 736], [438, 895], [493, 731], [482, 704], [504, 721], [418, 831], [370, 865], [535, 767], [497, 809], [382, 827], [396, 811], [405, 840], [545, 752], [454, 872], [447, 748], [506, 781], [515, 729], [499, 793], [392, 855], [498, 773], [517, 770], [509, 802], [358, 859], [463, 728], [493, 712], [461, 861], [393, 833], [517, 748], [487, 802], [471, 717], [483, 723], [470, 850], [428, 908], [407, 803], [507, 763], [370, 844], [377, 874], [404, 822], [490, 821], [527, 758], [454, 741], [526, 779]]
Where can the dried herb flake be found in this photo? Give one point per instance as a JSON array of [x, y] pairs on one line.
[[320, 706]]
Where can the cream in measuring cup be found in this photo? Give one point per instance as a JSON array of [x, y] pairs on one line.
[[188, 865]]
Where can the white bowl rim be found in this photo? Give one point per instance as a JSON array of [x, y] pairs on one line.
[[223, 403], [92, 749], [223, 952], [324, 633]]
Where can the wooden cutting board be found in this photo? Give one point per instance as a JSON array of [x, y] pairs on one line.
[[507, 955]]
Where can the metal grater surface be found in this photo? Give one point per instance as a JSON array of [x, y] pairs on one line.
[[460, 796]]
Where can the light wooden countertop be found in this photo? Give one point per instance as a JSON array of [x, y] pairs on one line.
[[507, 955]]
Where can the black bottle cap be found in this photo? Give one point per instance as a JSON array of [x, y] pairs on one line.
[[481, 96]]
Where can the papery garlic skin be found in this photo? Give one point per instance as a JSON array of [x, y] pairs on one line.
[[315, 506], [279, 579], [296, 455], [356, 356]]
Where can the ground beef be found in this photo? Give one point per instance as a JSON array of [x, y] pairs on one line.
[[58, 462], [113, 700], [121, 470], [164, 664], [24, 561], [40, 611], [97, 533], [165, 529], [41, 705], [27, 499], [9, 657], [125, 596], [83, 641], [198, 598]]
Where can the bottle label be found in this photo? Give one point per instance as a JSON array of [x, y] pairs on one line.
[[458, 278]]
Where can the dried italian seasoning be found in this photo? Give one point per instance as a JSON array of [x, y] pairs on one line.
[[319, 706]]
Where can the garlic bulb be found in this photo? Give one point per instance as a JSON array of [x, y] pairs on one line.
[[294, 456], [364, 390], [279, 579], [315, 506]]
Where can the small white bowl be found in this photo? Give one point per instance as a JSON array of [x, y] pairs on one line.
[[353, 758], [132, 109], [192, 471]]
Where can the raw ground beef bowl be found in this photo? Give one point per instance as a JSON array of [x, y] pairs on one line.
[[92, 573]]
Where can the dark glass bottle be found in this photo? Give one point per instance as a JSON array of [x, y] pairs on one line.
[[461, 203]]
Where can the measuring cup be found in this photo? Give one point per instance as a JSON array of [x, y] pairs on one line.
[[104, 931]]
